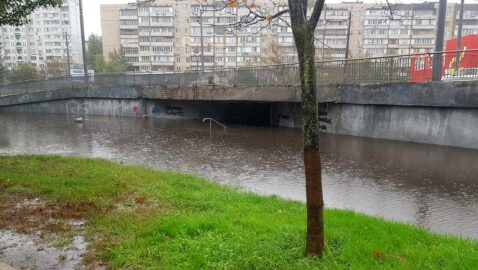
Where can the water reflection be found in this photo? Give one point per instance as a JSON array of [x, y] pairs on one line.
[[432, 186]]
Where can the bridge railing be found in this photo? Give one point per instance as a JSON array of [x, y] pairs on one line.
[[401, 68]]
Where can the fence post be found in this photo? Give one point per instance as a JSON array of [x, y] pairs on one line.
[[390, 69]]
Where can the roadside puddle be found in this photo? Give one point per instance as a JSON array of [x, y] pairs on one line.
[[24, 251], [36, 235]]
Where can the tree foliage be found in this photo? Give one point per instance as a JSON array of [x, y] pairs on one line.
[[15, 12], [3, 69], [274, 55], [94, 51], [116, 63], [56, 68], [24, 72], [3, 73]]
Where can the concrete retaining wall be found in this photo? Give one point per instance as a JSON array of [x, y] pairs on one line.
[[83, 106], [443, 126]]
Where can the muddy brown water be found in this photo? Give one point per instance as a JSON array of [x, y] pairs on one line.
[[434, 187]]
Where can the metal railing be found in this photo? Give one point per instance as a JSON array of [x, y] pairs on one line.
[[211, 120], [411, 68]]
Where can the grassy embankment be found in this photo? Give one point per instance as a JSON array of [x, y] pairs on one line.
[[148, 219]]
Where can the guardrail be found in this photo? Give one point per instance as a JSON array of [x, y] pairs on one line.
[[401, 68]]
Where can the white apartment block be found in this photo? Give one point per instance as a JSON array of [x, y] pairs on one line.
[[409, 29], [412, 28], [470, 19], [43, 39], [166, 35], [146, 36], [330, 34], [224, 46]]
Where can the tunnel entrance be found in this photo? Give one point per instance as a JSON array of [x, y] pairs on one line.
[[255, 114]]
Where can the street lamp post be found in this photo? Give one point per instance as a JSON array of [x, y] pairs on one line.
[[196, 54], [437, 58], [83, 42]]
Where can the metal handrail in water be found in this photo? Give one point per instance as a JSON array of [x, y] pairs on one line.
[[215, 121], [210, 125]]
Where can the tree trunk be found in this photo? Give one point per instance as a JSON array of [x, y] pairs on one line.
[[304, 39]]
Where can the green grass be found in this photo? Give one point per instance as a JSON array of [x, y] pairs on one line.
[[188, 223]]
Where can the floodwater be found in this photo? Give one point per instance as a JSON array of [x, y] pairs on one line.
[[431, 186]]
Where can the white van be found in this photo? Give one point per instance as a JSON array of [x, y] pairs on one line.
[[77, 72]]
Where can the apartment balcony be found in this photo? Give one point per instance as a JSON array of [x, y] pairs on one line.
[[130, 17], [425, 17], [375, 26], [423, 46], [144, 53], [162, 63], [423, 26], [129, 44], [432, 35], [249, 44], [398, 46], [284, 34], [162, 53], [198, 54], [166, 24], [143, 24], [473, 27], [128, 27], [376, 36], [335, 17], [205, 14], [160, 43], [158, 34], [194, 23], [162, 14], [204, 34], [374, 46], [144, 33], [124, 37], [334, 36], [334, 26]]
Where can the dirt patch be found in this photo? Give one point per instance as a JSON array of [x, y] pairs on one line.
[[38, 235]]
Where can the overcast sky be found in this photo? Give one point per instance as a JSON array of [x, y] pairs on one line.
[[92, 14], [93, 18]]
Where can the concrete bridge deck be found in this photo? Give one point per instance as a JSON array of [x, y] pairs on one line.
[[460, 94]]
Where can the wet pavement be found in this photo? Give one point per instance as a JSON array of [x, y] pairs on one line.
[[434, 187]]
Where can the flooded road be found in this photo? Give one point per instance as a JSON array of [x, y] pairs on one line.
[[434, 187]]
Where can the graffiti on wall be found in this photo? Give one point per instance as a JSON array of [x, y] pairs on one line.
[[156, 110], [103, 107]]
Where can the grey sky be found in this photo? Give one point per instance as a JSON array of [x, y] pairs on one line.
[[92, 14], [93, 19]]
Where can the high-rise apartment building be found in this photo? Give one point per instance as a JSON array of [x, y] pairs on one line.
[[44, 38], [470, 19], [173, 35], [410, 28]]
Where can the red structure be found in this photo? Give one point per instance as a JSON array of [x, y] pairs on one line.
[[421, 65]]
